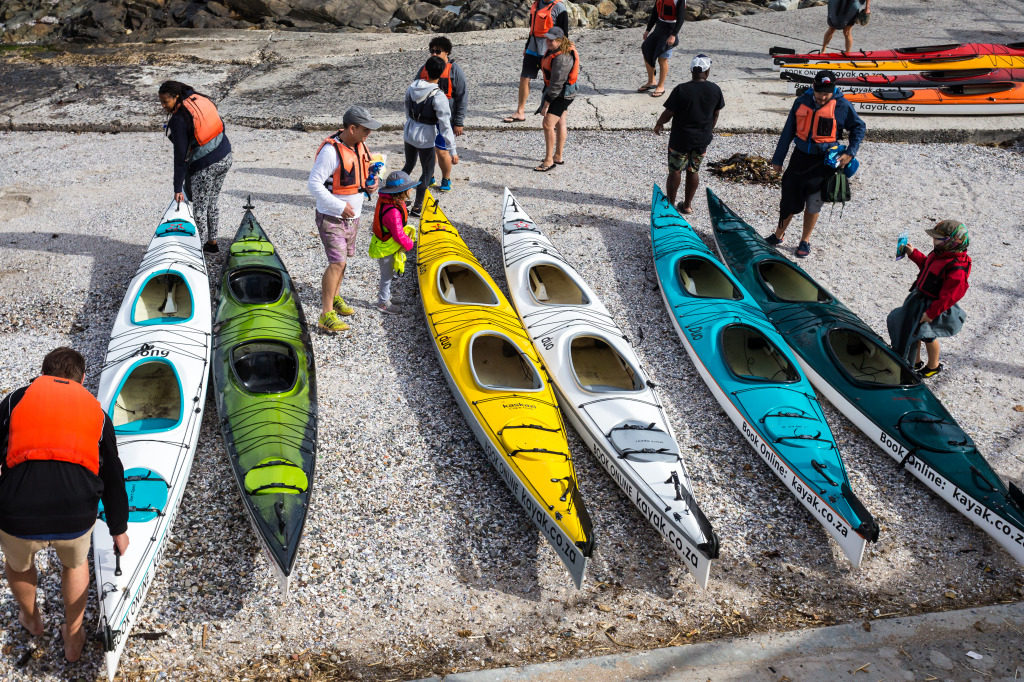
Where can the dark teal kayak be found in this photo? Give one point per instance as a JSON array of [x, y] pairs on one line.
[[870, 384]]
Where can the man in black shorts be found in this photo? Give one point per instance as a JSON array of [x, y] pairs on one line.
[[544, 15], [693, 109]]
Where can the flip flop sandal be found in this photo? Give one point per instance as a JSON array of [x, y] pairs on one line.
[[657, 93], [544, 169], [646, 88], [513, 119], [559, 163]]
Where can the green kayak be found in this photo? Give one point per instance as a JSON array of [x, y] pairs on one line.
[[870, 384], [265, 383]]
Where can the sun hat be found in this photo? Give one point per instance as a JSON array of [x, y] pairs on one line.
[[825, 81], [555, 33], [702, 62], [398, 181], [953, 234], [360, 116]]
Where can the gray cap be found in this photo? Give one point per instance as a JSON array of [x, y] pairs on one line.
[[360, 116], [398, 181], [555, 33]]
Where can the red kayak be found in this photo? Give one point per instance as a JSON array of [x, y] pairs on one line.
[[784, 55], [925, 79]]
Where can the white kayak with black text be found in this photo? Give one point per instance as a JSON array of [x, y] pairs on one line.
[[602, 388], [153, 386]]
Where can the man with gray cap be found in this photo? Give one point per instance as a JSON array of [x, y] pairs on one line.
[[816, 123], [693, 109], [339, 182]]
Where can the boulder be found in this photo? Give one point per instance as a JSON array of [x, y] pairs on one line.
[[783, 5], [804, 4], [606, 8], [255, 8]]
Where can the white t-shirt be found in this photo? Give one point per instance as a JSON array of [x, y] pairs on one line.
[[327, 203]]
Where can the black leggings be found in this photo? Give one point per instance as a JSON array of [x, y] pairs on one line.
[[427, 159]]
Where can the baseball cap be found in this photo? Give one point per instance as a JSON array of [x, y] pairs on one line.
[[360, 116], [555, 33], [825, 81], [945, 229], [702, 62]]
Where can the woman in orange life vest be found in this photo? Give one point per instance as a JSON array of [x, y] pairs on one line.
[[666, 19], [561, 66], [202, 154], [544, 15]]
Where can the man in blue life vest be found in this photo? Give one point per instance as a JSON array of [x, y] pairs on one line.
[[815, 123], [59, 459]]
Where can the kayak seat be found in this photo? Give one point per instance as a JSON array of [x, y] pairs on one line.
[[497, 364], [461, 284], [599, 369], [643, 442], [164, 299], [700, 277], [254, 286], [149, 399], [551, 284], [265, 366], [276, 475], [750, 355], [866, 361], [790, 284]]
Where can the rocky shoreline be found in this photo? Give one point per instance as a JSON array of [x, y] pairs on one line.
[[114, 21]]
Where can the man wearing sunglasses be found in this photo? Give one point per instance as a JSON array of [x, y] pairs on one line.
[[453, 84]]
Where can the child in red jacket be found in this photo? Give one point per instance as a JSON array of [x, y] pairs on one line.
[[931, 310]]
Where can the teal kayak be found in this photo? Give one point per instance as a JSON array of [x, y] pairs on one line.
[[871, 385], [266, 393], [755, 378]]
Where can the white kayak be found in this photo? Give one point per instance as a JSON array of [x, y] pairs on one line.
[[602, 388], [153, 386]]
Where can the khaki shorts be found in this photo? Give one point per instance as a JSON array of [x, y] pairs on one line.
[[20, 553]]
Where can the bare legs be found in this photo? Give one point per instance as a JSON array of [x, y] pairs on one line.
[[330, 285], [932, 348], [444, 163], [524, 93], [810, 220], [555, 131], [23, 587], [662, 74], [75, 590], [847, 36]]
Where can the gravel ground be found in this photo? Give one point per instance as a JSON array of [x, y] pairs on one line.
[[416, 559]]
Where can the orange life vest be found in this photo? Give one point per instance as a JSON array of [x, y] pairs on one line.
[[353, 166], [817, 125], [386, 202], [56, 419], [206, 122], [545, 66], [668, 10], [444, 82], [541, 20]]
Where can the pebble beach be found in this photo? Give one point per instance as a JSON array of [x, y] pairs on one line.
[[416, 559]]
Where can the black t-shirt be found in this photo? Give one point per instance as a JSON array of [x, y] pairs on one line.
[[693, 105]]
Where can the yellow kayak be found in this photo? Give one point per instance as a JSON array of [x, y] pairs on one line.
[[501, 387], [886, 68]]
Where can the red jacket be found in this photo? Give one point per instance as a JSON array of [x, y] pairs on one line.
[[943, 279]]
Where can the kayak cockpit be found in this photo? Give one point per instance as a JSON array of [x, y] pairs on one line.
[[551, 285], [750, 355], [701, 278], [165, 298], [866, 361], [790, 284], [976, 89], [461, 284], [256, 286], [498, 364], [149, 399], [265, 366], [598, 368]]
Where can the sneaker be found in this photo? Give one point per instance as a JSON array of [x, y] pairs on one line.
[[331, 323], [927, 373], [446, 185], [390, 308], [414, 212], [773, 240], [341, 307], [431, 183], [918, 366], [804, 250], [211, 246]]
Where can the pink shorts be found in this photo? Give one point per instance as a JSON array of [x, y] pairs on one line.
[[338, 236]]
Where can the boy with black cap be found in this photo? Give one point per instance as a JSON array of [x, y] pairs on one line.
[[693, 109], [816, 122]]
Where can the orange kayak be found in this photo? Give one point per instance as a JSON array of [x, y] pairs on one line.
[[967, 99]]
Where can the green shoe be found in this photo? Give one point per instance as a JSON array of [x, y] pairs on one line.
[[331, 323], [342, 307]]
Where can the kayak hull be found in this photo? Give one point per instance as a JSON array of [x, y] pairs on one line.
[[602, 387], [924, 52], [153, 384], [911, 81], [903, 67]]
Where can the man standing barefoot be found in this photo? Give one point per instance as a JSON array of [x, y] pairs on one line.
[[693, 109], [59, 459]]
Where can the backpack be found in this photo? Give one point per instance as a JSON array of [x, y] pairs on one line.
[[836, 188]]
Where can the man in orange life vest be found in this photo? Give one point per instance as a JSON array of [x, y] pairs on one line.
[[666, 19], [337, 180], [453, 84], [544, 15], [816, 122], [60, 459]]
